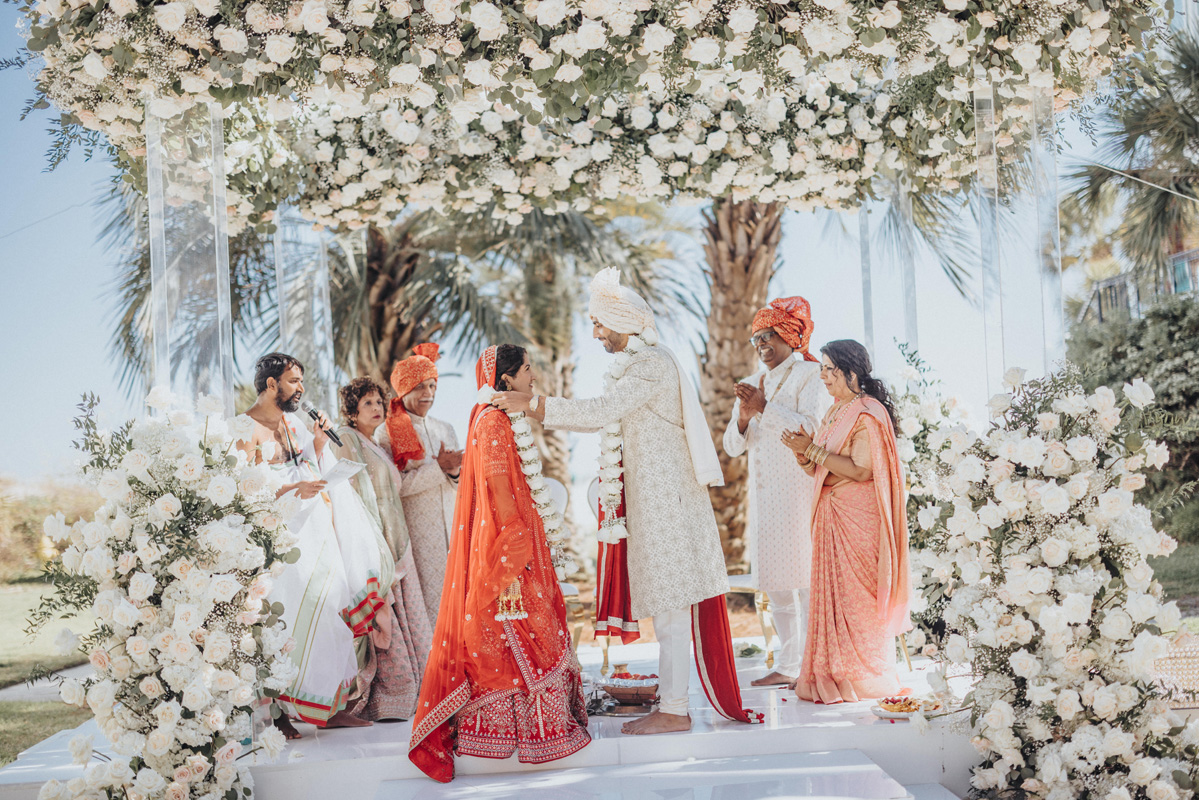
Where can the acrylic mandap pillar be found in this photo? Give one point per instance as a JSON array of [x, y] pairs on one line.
[[305, 310], [192, 330], [1020, 278], [889, 303]]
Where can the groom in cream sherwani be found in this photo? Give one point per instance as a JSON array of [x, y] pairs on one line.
[[675, 558]]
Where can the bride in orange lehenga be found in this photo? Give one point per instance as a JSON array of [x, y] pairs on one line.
[[492, 686]]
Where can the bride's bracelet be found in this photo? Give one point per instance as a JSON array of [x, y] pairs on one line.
[[816, 453]]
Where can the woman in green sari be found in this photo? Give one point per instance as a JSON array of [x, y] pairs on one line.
[[393, 660]]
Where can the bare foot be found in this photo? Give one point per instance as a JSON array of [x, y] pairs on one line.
[[657, 722], [793, 684], [773, 679], [344, 719], [289, 731]]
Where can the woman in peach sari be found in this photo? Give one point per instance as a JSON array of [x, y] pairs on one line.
[[859, 536], [502, 677]]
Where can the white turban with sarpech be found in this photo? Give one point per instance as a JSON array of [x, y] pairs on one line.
[[617, 307]]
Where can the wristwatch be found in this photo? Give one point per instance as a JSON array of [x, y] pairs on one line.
[[534, 402]]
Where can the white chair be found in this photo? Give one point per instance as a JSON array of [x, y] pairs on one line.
[[576, 614]]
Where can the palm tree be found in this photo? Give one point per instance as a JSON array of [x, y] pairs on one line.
[[741, 242], [1150, 162]]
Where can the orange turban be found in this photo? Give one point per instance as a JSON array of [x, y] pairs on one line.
[[791, 318], [406, 376]]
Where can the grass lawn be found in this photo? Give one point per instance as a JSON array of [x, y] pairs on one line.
[[18, 653], [1179, 577], [23, 725]]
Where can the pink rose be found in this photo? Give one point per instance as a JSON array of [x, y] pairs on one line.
[[99, 658], [182, 774], [229, 753], [176, 791], [198, 766]]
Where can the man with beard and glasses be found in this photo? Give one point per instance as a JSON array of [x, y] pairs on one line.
[[331, 595]]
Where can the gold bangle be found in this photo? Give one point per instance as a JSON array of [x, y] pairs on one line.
[[822, 456]]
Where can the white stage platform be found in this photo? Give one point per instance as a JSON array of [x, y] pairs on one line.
[[802, 750]]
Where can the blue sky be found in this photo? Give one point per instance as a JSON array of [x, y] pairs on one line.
[[57, 309]]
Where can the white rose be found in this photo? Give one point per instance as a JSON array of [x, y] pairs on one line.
[[656, 38], [1144, 770], [165, 508], [208, 8], [1013, 379], [71, 692], [1116, 625], [1055, 500], [1024, 664], [280, 47], [170, 17], [1000, 716], [1027, 55], [478, 71], [704, 50], [81, 749], [1054, 552], [1141, 607], [1139, 393], [568, 73], [1159, 790], [1068, 704], [221, 490], [999, 404], [1157, 455], [551, 12], [151, 687], [1115, 502]]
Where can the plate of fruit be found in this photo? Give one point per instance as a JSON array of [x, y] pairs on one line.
[[903, 707], [631, 688]]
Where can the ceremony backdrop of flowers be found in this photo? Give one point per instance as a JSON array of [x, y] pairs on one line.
[[1052, 604], [932, 428], [562, 64], [176, 566]]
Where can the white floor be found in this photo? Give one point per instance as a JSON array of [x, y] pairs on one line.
[[802, 750]]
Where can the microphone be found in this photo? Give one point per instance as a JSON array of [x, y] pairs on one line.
[[312, 412]]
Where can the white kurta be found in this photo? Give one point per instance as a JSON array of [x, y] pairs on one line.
[[779, 524], [427, 494], [675, 557]]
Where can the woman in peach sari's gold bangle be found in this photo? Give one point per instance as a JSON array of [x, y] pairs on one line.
[[859, 536]]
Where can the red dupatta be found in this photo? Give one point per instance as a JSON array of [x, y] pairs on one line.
[[490, 547], [893, 578]]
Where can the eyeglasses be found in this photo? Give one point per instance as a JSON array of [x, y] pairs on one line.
[[761, 337]]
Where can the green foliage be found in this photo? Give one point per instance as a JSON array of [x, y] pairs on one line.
[[1162, 347]]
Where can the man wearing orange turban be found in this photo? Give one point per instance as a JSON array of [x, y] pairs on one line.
[[427, 454], [786, 395]]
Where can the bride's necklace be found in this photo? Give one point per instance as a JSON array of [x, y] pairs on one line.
[[611, 459]]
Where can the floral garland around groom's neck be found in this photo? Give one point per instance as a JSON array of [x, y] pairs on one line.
[[611, 462]]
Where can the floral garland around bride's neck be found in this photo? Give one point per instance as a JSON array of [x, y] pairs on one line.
[[611, 463], [547, 509]]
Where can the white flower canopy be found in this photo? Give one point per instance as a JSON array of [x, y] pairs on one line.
[[555, 103]]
